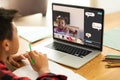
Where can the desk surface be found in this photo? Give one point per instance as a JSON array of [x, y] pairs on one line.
[[95, 69]]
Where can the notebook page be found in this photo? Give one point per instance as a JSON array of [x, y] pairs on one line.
[[27, 71], [33, 34], [112, 39]]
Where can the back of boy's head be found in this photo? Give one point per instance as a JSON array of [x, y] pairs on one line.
[[6, 18]]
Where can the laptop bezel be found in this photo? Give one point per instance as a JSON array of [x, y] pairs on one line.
[[84, 7]]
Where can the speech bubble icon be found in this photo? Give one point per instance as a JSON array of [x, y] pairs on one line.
[[88, 35], [97, 26], [89, 14]]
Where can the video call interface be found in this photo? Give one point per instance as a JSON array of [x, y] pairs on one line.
[[78, 25]]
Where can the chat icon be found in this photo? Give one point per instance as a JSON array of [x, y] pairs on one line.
[[88, 35], [89, 14], [97, 26]]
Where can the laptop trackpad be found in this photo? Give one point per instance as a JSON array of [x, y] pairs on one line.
[[55, 55]]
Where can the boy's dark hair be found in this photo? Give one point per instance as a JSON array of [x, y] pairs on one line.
[[6, 18]]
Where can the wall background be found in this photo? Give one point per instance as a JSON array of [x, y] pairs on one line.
[[31, 6], [26, 7], [110, 6]]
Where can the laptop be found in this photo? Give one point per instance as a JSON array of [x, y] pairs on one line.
[[79, 40]]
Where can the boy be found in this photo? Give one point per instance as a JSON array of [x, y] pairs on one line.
[[9, 45]]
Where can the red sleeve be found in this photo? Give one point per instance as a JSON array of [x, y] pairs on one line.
[[6, 74], [51, 76]]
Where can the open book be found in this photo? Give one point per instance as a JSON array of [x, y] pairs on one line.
[[112, 39], [27, 71], [33, 34]]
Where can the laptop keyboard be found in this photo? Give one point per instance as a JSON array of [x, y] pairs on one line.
[[69, 49]]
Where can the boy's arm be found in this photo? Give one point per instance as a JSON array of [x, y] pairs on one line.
[[6, 74], [52, 76]]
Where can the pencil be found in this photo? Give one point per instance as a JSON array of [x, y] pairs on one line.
[[113, 56], [30, 47], [33, 61], [111, 60], [112, 65]]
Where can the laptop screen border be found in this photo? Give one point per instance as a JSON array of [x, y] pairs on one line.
[[82, 7]]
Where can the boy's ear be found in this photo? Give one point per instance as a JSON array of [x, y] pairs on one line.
[[6, 44]]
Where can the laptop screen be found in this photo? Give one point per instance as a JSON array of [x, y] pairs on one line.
[[78, 24]]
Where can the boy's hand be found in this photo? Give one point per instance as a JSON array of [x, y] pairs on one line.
[[40, 62], [14, 59]]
